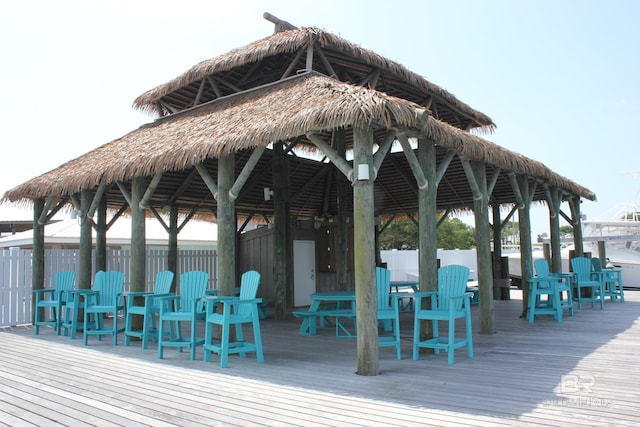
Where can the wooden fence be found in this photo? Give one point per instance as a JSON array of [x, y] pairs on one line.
[[16, 273]]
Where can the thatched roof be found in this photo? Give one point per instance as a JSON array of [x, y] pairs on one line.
[[276, 52], [287, 111]]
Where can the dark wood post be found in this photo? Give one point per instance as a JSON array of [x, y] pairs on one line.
[[37, 263], [283, 255], [342, 232], [578, 243], [172, 250], [101, 234], [138, 242], [520, 186], [554, 200], [86, 231]]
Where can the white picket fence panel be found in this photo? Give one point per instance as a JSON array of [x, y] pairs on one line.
[[15, 274]]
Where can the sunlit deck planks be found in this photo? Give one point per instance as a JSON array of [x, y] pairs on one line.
[[580, 372]]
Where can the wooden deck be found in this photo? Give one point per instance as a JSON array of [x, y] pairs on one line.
[[581, 372]]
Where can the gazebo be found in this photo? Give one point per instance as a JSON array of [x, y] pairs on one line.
[[299, 128]]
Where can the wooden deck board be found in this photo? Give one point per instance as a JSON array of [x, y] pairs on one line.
[[515, 378]]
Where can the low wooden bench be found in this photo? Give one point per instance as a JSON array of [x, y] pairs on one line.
[[308, 326]]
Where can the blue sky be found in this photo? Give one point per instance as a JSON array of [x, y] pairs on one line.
[[559, 78]]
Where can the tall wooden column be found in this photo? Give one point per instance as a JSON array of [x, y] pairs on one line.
[[364, 254], [520, 185], [477, 176], [172, 250], [101, 235], [226, 226], [342, 232], [578, 243], [427, 228], [428, 221], [37, 262], [86, 232], [138, 240], [283, 252], [554, 200]]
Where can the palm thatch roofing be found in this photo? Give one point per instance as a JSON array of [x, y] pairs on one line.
[[285, 111], [286, 52]]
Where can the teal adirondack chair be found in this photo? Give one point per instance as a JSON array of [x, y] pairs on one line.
[[541, 296], [188, 306], [585, 278], [106, 300], [556, 287], [388, 311], [52, 300], [149, 308], [612, 278], [450, 302], [235, 311]]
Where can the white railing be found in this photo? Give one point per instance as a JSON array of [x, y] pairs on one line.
[[16, 273]]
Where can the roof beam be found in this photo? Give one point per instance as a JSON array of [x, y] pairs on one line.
[[234, 191], [335, 158], [383, 149], [327, 64], [144, 202], [183, 187], [215, 86], [196, 101], [418, 174], [444, 165], [293, 64], [206, 178]]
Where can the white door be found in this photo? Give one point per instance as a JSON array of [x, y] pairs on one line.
[[304, 271]]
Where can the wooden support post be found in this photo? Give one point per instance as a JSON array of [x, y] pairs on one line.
[[500, 270], [86, 230], [578, 243], [520, 185], [427, 229], [226, 226], [37, 263], [172, 250], [364, 255], [342, 232], [477, 177], [283, 251], [101, 232], [602, 252], [138, 242], [554, 200]]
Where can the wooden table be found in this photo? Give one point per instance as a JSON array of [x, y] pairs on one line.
[[404, 287], [317, 311]]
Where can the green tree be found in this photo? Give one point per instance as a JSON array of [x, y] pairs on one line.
[[402, 233], [455, 234]]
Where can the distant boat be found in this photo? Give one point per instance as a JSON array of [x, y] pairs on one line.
[[621, 234]]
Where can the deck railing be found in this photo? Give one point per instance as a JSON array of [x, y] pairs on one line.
[[16, 273]]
